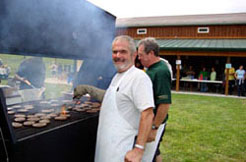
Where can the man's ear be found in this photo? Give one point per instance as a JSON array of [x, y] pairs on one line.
[[135, 55], [151, 52]]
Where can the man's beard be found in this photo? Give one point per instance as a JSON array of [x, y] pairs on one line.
[[121, 66]]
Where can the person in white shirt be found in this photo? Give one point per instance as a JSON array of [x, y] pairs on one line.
[[240, 76], [127, 108]]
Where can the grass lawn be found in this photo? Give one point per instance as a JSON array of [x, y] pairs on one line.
[[202, 128], [55, 90], [13, 61], [52, 90]]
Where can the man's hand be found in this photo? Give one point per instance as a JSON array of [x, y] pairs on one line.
[[134, 155], [79, 91], [152, 135], [27, 82], [94, 92]]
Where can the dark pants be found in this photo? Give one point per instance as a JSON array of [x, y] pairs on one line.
[[240, 88], [231, 86], [204, 87]]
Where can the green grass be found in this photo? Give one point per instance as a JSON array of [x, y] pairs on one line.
[[55, 90], [202, 128], [52, 90], [13, 61]]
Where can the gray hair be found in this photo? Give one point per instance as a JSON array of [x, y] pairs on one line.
[[150, 44], [132, 45]]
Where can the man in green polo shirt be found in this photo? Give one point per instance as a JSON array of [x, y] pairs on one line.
[[160, 75]]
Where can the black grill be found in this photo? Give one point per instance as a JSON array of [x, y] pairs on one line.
[[64, 141], [64, 29]]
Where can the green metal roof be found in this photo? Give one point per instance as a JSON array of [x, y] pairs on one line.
[[232, 45]]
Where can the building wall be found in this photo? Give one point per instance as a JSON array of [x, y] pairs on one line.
[[197, 59], [215, 31]]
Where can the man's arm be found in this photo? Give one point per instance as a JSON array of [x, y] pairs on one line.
[[22, 79], [235, 75], [159, 118], [136, 154], [17, 77]]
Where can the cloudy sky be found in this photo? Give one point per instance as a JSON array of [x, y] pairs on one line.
[[143, 8]]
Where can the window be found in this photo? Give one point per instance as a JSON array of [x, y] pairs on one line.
[[142, 31], [203, 29]]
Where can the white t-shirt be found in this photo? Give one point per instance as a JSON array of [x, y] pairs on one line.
[[240, 74], [169, 66], [134, 94]]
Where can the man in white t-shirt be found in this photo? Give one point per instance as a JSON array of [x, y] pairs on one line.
[[127, 108], [240, 76]]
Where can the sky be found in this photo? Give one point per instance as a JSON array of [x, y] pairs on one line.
[[146, 8]]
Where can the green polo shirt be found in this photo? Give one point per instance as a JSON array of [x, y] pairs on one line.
[[161, 79]]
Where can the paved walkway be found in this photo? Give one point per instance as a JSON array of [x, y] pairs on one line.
[[207, 94]]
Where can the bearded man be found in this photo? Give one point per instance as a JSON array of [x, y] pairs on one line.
[[126, 114]]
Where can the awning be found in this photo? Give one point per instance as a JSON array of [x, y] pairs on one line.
[[232, 45]]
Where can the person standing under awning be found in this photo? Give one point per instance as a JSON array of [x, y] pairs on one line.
[[240, 77]]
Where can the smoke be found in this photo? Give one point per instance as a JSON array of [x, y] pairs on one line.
[[64, 28], [72, 29]]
